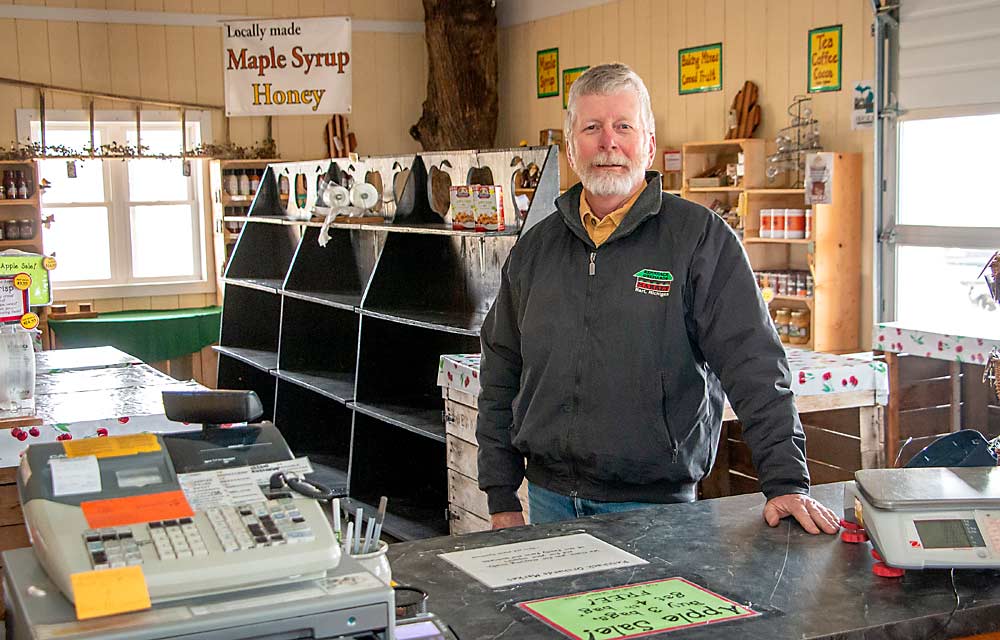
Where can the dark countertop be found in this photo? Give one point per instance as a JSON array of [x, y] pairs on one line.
[[805, 586]]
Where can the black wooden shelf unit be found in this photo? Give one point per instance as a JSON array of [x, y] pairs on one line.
[[342, 340]]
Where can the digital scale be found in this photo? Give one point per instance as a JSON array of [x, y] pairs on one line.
[[929, 518]]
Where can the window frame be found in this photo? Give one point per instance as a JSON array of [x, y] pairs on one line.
[[123, 284], [895, 235]]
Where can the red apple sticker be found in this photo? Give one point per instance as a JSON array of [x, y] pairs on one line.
[[802, 377], [958, 348], [34, 432], [64, 436], [102, 433], [854, 381], [123, 420], [827, 375]]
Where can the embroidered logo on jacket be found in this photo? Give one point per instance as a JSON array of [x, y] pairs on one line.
[[654, 283]]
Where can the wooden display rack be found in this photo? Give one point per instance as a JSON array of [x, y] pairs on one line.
[[342, 341], [832, 254]]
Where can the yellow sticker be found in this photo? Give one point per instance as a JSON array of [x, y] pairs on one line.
[[48, 263], [22, 281], [29, 320], [109, 591], [768, 294], [112, 446]]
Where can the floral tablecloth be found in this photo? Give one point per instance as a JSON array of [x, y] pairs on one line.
[[971, 343], [813, 373]]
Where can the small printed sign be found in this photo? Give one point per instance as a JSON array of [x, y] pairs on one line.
[[863, 113], [700, 69], [35, 266], [569, 77], [547, 73], [824, 58], [13, 301], [635, 610]]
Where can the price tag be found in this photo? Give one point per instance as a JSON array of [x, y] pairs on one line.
[[22, 281], [13, 300], [768, 294], [48, 263], [29, 320]]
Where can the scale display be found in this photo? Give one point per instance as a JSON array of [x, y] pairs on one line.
[[946, 534]]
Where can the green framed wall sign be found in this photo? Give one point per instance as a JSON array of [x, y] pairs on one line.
[[569, 76], [825, 50], [699, 69], [547, 72]]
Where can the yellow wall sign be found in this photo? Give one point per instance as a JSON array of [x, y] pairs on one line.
[[824, 58], [547, 73], [700, 69], [569, 77]]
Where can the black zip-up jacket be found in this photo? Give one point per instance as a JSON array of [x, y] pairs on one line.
[[601, 366]]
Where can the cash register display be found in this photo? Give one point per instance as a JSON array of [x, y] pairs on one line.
[[948, 534]]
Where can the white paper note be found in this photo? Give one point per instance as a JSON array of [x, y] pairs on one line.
[[221, 488], [536, 560], [71, 476], [262, 472]]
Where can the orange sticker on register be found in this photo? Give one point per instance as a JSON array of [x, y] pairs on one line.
[[109, 591], [118, 512], [112, 446]]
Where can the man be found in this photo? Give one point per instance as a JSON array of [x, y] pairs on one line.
[[620, 320]]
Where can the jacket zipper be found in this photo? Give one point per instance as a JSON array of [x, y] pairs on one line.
[[591, 271]]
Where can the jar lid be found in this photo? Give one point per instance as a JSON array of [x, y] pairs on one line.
[[800, 312]]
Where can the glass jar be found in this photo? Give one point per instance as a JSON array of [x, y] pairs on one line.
[[11, 230], [800, 284], [798, 327], [782, 322], [27, 228]]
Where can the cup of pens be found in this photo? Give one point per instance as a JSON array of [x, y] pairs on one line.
[[362, 541]]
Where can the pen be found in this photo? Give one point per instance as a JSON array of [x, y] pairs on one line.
[[380, 518], [369, 530], [359, 520], [336, 519], [347, 539]]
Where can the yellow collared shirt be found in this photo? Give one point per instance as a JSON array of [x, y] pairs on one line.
[[600, 229]]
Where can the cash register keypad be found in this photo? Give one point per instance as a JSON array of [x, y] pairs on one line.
[[112, 547], [263, 524]]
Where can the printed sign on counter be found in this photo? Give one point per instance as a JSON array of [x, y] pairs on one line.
[[13, 301], [37, 268], [287, 67], [536, 560], [635, 610]]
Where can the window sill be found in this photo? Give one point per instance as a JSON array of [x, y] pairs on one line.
[[98, 292]]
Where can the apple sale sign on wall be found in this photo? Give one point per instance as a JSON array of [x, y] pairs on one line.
[[287, 67]]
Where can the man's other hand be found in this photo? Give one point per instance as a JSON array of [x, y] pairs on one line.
[[812, 515], [507, 519]]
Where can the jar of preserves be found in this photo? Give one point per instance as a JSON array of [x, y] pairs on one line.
[[798, 327], [11, 230], [782, 322], [27, 228]]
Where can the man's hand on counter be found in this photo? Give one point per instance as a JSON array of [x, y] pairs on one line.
[[812, 515], [507, 519]]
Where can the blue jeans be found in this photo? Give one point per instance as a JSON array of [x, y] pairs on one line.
[[549, 506]]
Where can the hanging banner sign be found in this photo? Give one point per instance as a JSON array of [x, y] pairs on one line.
[[547, 72], [13, 299], [824, 59], [700, 69], [287, 67]]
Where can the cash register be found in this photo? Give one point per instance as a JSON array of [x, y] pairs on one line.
[[222, 557]]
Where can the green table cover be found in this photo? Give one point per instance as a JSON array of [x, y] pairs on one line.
[[151, 336]]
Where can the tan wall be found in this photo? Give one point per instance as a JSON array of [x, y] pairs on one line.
[[185, 64], [763, 40]]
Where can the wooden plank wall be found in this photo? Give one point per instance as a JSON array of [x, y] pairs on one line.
[[185, 64], [763, 40]]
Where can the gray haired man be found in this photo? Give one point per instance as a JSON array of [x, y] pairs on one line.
[[622, 322]]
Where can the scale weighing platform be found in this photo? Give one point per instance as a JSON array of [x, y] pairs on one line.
[[929, 518]]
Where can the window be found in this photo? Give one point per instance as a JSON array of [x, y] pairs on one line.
[[947, 225], [126, 227]]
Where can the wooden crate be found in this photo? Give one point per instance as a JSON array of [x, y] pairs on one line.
[[467, 507], [839, 441], [929, 398]]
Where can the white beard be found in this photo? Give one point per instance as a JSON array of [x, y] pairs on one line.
[[601, 183]]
